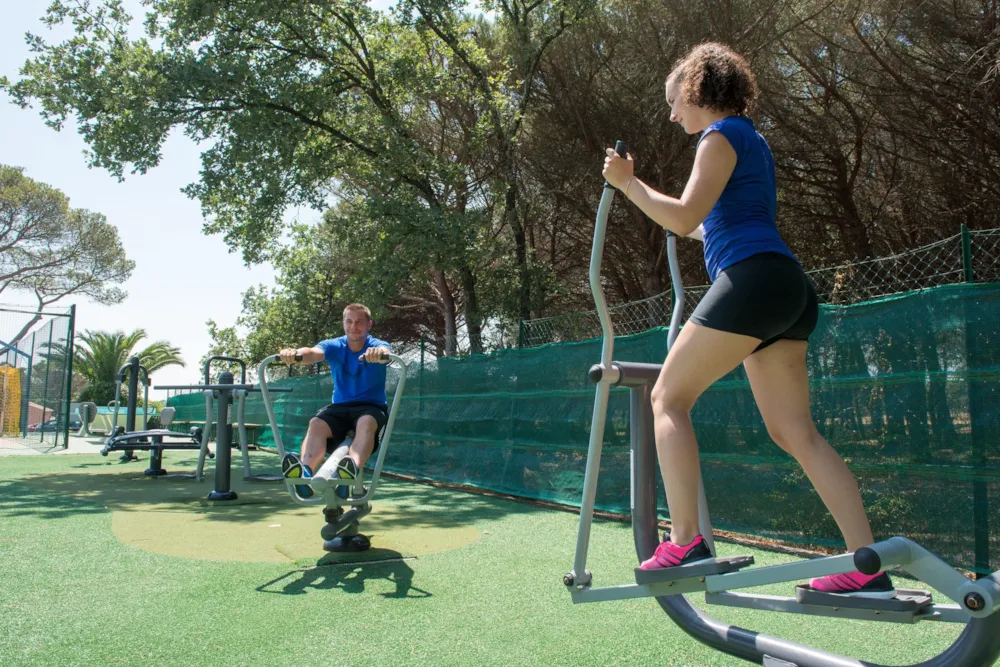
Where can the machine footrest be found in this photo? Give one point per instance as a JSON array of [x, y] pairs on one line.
[[264, 478], [905, 601], [714, 566], [910, 607]]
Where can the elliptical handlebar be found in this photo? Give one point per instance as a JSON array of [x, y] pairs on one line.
[[596, 258], [220, 357], [144, 374]]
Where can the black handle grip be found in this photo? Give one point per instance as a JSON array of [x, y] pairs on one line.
[[219, 357], [382, 356], [621, 147], [298, 357]]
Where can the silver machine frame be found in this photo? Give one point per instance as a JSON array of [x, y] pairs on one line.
[[975, 601], [326, 496]]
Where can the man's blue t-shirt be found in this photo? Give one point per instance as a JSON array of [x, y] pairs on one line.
[[354, 380], [741, 223]]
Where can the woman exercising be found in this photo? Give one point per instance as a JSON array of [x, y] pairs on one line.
[[759, 310]]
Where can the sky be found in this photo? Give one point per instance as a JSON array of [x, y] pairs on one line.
[[182, 277]]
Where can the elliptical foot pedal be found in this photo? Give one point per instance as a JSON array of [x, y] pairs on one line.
[[776, 662], [905, 602], [264, 478], [348, 543], [680, 572]]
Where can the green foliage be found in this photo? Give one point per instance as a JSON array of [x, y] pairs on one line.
[[52, 250], [100, 354], [457, 156]]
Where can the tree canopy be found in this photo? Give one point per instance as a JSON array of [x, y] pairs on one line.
[[457, 154], [51, 250]]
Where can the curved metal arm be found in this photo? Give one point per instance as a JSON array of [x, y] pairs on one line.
[[678, 284], [220, 357], [118, 395], [268, 406], [608, 376], [384, 445]]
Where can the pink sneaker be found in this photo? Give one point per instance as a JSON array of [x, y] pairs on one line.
[[856, 584], [669, 554]]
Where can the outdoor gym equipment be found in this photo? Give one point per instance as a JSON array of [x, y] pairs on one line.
[[88, 413], [126, 439], [341, 532], [224, 392], [239, 400], [976, 601]]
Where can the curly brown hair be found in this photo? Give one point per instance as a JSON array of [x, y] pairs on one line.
[[714, 76]]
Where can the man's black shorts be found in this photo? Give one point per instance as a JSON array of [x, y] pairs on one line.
[[343, 417]]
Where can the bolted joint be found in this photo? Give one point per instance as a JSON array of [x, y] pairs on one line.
[[600, 373]]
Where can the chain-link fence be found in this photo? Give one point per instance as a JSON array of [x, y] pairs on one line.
[[36, 366], [984, 256], [970, 256]]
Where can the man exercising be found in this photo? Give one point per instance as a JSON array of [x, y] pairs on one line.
[[357, 362]]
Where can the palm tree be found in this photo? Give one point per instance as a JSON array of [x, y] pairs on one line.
[[99, 355]]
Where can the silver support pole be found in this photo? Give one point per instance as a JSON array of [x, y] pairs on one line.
[[199, 473], [241, 410], [145, 405]]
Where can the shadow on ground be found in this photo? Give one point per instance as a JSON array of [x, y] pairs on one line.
[[350, 573]]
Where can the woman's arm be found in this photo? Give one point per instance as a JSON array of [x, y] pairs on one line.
[[713, 165]]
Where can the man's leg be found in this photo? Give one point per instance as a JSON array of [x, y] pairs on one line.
[[314, 444], [364, 440], [313, 450], [366, 428]]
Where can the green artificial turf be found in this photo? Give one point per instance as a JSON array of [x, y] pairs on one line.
[[73, 592]]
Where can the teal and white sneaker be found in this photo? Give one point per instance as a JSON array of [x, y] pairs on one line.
[[293, 468], [346, 469]]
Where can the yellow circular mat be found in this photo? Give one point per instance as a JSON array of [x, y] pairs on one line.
[[172, 516]]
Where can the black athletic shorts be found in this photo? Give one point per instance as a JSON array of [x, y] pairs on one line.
[[343, 418], [767, 296]]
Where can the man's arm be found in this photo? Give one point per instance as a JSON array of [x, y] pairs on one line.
[[310, 355], [698, 234]]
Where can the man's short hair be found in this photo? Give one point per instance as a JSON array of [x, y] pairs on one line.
[[358, 306]]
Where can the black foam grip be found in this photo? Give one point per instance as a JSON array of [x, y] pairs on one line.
[[621, 147], [298, 357], [596, 373], [867, 561]]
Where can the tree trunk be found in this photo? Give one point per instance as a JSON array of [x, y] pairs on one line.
[[473, 319], [520, 248], [448, 310]]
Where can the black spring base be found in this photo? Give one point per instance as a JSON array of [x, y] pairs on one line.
[[348, 543]]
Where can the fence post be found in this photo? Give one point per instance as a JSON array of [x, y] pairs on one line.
[[966, 254], [27, 389], [69, 373], [977, 403], [420, 378], [520, 333], [45, 389]]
